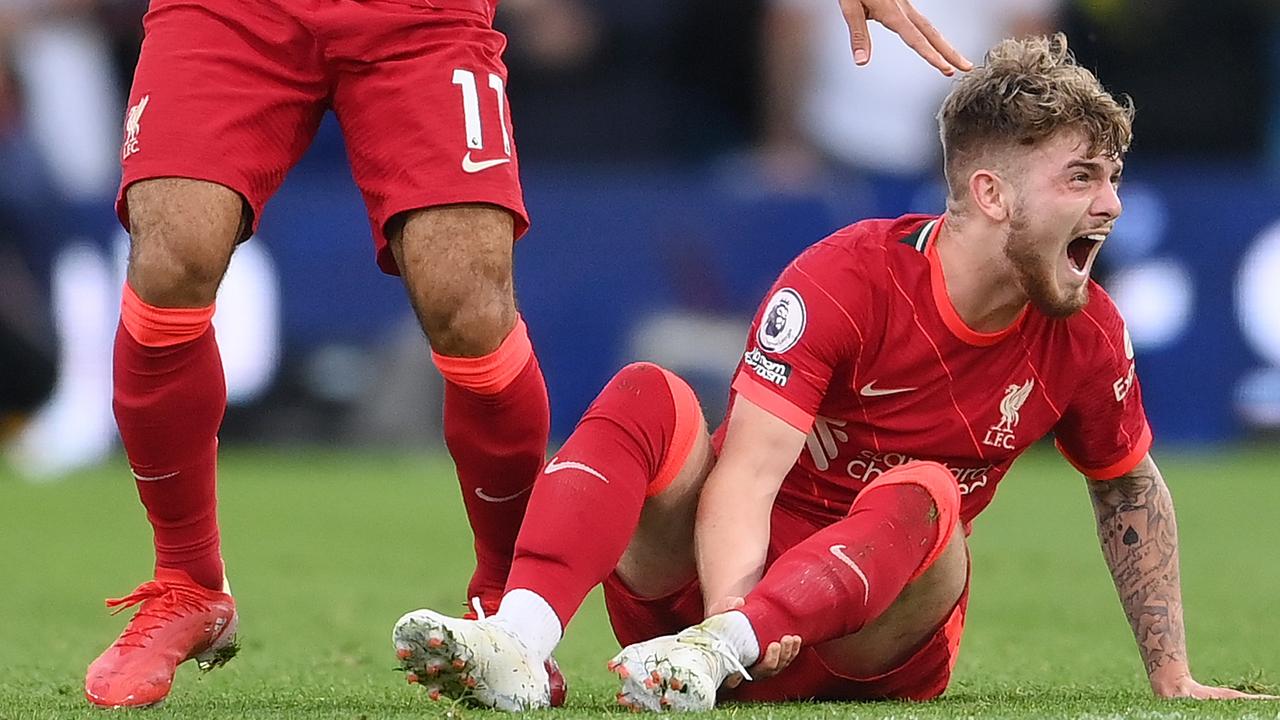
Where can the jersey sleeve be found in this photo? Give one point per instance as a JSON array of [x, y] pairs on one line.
[[1104, 431], [809, 325]]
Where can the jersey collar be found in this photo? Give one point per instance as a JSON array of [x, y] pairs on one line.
[[925, 241]]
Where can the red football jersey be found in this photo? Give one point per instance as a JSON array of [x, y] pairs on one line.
[[858, 345]]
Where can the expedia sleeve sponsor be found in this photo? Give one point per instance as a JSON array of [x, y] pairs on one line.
[[775, 372]]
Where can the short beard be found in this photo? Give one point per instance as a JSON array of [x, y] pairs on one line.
[[1020, 248]]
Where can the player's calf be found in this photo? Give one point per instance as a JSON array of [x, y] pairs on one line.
[[857, 567]]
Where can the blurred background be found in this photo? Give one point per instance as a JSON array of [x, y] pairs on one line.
[[675, 155]]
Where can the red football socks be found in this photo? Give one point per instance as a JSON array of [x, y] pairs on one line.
[[631, 442], [169, 395], [497, 420], [848, 573]]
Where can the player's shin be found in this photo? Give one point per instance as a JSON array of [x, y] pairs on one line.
[[586, 503], [847, 574], [169, 396], [496, 424]]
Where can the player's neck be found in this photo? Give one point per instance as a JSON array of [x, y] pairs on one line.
[[978, 279]]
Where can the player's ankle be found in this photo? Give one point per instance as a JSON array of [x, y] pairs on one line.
[[529, 617], [735, 629]]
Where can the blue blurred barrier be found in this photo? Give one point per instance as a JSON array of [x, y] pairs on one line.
[[624, 263], [612, 249]]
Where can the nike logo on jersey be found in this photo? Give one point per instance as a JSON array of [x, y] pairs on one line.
[[555, 466], [480, 493], [838, 551], [869, 390], [153, 478], [475, 166]]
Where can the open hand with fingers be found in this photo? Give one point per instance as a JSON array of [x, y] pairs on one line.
[[775, 659], [1186, 686], [908, 23]]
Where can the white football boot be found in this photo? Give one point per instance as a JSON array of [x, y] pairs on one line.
[[473, 660], [676, 672]]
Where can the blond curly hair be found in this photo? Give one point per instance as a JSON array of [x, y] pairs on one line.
[[1026, 91]]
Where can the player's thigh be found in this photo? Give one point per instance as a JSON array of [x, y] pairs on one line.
[[226, 93], [425, 116], [910, 623], [660, 556]]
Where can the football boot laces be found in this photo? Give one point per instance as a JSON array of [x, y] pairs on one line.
[[161, 603]]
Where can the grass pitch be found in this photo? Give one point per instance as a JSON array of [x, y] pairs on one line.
[[326, 549]]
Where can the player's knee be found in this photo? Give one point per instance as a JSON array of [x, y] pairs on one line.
[[468, 313], [933, 478], [456, 264], [182, 237], [635, 395], [660, 411], [166, 277], [467, 322], [941, 485]]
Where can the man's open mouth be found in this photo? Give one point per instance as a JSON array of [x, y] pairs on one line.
[[1082, 249]]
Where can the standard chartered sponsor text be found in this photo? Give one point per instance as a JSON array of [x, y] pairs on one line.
[[869, 465]]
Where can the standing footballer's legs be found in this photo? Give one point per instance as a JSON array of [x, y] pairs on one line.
[[456, 263], [169, 398], [200, 158], [627, 479], [421, 99], [864, 593]]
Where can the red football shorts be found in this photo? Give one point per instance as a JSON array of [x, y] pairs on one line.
[[923, 676], [232, 92]]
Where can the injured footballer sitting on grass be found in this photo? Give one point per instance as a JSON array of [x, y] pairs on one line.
[[894, 373]]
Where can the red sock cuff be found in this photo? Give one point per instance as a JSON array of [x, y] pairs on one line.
[[161, 327], [688, 422], [941, 485], [489, 374]]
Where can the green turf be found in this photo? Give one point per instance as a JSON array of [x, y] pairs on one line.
[[327, 549]]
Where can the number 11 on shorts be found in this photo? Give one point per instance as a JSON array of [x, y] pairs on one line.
[[466, 80]]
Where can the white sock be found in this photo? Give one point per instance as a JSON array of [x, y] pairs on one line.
[[735, 629], [528, 616]]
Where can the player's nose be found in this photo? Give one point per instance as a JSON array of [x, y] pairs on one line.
[[1107, 204]]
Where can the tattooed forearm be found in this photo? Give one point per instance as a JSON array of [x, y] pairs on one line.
[[1140, 542]]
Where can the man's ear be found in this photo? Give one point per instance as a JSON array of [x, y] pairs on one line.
[[991, 195]]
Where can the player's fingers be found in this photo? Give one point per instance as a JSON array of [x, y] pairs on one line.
[[767, 665], [1209, 692], [1217, 693], [790, 649], [855, 15], [936, 38], [896, 20]]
